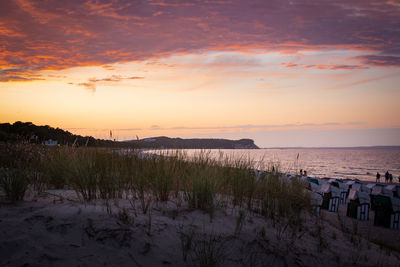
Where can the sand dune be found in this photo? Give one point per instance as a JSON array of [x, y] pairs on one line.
[[56, 229]]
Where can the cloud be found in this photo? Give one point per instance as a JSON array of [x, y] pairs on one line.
[[90, 85], [258, 126], [363, 81], [347, 67], [18, 75], [231, 60], [54, 35], [380, 60], [10, 31], [114, 78], [325, 67], [155, 127], [108, 67], [56, 76], [289, 65]]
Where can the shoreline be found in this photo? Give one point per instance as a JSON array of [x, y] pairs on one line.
[[334, 167]]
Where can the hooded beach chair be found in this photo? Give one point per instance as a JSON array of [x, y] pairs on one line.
[[330, 195], [358, 206], [379, 190], [316, 202], [387, 211], [395, 189]]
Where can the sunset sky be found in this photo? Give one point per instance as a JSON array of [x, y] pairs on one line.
[[284, 73]]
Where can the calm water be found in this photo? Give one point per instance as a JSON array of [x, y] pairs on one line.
[[343, 163]]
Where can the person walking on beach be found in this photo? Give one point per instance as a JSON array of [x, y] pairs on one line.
[[386, 176], [378, 177], [390, 177]]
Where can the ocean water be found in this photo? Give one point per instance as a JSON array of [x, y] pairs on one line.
[[345, 163]]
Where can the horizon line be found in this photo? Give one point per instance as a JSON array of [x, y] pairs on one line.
[[331, 147]]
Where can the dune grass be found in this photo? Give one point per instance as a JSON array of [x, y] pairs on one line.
[[17, 169], [14, 183], [107, 174]]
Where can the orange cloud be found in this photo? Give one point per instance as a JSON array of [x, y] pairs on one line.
[[10, 31]]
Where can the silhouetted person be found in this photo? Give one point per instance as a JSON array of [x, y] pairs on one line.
[[378, 177], [386, 176], [390, 177], [301, 172], [305, 173]]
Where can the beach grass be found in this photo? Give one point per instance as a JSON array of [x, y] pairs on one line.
[[14, 183], [200, 180]]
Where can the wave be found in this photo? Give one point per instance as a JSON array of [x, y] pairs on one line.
[[349, 173]]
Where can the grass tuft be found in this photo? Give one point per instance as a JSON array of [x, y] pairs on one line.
[[14, 183]]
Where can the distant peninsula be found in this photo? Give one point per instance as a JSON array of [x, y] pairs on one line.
[[29, 132], [163, 142]]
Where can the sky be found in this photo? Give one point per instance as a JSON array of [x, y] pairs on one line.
[[285, 73]]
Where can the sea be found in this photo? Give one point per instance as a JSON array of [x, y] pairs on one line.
[[342, 163]]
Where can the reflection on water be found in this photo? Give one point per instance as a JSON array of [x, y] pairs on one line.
[[343, 163]]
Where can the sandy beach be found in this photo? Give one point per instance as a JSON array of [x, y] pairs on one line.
[[129, 210], [56, 229]]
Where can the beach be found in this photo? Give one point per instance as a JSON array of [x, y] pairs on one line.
[[55, 228], [67, 206]]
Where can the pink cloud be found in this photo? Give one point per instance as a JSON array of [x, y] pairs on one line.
[[325, 67], [363, 81], [39, 35], [380, 60]]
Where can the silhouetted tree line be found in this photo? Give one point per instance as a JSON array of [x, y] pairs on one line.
[[29, 132]]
